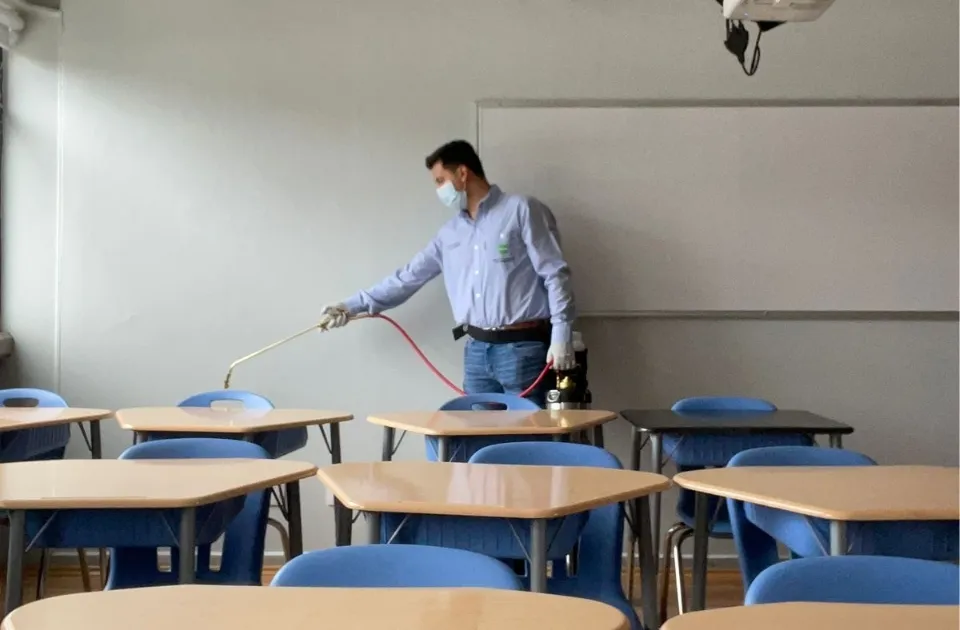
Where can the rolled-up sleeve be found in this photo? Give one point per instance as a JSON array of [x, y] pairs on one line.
[[542, 238], [399, 286]]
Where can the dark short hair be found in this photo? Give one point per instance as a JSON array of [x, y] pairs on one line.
[[457, 153]]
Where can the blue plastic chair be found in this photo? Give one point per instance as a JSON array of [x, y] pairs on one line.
[[462, 449], [858, 580], [33, 444], [695, 452], [411, 566], [599, 559], [277, 443], [243, 543], [756, 529]]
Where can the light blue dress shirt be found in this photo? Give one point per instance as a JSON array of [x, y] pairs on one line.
[[505, 267]]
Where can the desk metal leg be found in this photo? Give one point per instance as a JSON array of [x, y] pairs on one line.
[[538, 555], [701, 540], [373, 522], [96, 452], [96, 446], [598, 436], [187, 546], [648, 565], [637, 444], [443, 449], [14, 591], [294, 520], [386, 450], [836, 440], [342, 517], [656, 465], [838, 538]]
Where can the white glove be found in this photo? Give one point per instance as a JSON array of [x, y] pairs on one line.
[[333, 317], [562, 356]]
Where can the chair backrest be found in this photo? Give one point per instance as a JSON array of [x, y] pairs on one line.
[[490, 401], [379, 566], [244, 537], [800, 456], [249, 400], [545, 454], [756, 548], [858, 580], [715, 404], [30, 397], [195, 448]]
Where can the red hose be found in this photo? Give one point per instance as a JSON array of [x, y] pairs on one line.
[[433, 368]]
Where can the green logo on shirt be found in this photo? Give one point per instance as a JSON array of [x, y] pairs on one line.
[[503, 249]]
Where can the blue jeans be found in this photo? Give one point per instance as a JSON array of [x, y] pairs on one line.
[[505, 368]]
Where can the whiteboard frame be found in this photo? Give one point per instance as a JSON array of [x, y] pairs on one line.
[[771, 315]]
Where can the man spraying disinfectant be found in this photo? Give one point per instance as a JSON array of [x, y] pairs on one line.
[[505, 274]]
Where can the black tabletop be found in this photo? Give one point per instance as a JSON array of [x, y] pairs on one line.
[[781, 421]]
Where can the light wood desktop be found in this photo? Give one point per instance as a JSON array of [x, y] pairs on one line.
[[16, 418], [533, 493], [453, 489], [245, 423], [804, 616], [447, 424], [223, 420], [131, 484], [838, 494], [259, 608]]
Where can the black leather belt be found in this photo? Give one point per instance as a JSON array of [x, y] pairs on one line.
[[533, 331]]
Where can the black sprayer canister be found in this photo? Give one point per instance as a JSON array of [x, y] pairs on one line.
[[572, 390]]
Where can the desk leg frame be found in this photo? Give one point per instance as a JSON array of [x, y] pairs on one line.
[[701, 541], [342, 516], [538, 555], [373, 523], [187, 546], [386, 450], [656, 466], [836, 440], [648, 563], [838, 538], [294, 519], [13, 596]]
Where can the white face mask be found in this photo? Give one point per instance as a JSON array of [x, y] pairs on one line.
[[451, 197]]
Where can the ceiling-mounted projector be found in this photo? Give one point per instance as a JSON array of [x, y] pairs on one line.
[[775, 10]]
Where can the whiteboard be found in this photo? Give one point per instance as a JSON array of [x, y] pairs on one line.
[[740, 208]]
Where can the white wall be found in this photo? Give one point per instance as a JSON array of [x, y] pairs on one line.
[[229, 167]]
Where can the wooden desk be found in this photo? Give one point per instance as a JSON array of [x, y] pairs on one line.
[[183, 484], [245, 424], [533, 493], [651, 424], [262, 608], [448, 424], [17, 418], [838, 494], [806, 616]]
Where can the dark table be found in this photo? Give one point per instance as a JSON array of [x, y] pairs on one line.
[[651, 424]]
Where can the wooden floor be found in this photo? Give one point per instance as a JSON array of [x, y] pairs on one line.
[[724, 586]]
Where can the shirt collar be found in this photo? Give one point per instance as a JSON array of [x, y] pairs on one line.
[[493, 196]]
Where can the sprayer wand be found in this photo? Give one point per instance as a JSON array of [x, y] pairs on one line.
[[400, 329]]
